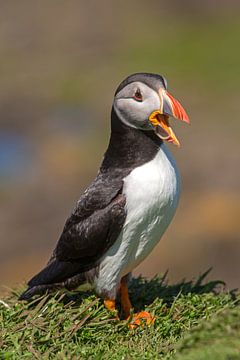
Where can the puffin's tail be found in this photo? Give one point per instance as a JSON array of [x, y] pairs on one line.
[[39, 290], [56, 275]]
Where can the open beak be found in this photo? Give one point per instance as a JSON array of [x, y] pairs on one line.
[[160, 118]]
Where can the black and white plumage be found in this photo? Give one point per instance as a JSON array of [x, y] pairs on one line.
[[125, 211]]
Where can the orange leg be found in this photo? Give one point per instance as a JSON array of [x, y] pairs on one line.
[[124, 297], [141, 318], [138, 318]]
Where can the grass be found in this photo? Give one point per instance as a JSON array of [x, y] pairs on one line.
[[194, 320]]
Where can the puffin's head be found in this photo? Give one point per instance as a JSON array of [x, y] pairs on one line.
[[141, 101]]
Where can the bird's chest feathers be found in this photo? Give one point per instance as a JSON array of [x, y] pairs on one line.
[[152, 189], [152, 193]]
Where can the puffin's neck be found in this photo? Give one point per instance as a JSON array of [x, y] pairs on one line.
[[129, 147]]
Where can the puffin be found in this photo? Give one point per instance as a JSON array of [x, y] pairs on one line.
[[124, 212]]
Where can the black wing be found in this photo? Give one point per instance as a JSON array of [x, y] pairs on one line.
[[89, 232], [88, 239]]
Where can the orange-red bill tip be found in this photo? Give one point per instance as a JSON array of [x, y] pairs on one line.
[[177, 110]]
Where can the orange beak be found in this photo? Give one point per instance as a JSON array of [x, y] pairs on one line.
[[160, 118]]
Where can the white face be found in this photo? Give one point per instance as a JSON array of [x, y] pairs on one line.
[[135, 103]]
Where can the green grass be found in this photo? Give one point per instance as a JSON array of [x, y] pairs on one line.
[[194, 320]]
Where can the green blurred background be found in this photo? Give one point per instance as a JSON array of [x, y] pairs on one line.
[[60, 63]]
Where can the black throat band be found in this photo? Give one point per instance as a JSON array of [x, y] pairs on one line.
[[129, 147]]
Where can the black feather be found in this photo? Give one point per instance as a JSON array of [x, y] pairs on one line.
[[55, 272]]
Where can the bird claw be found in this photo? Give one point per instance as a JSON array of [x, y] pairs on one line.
[[141, 319]]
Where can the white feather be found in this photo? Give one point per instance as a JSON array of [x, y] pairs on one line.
[[152, 192], [133, 113]]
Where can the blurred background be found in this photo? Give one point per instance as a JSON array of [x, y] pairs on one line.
[[60, 63]]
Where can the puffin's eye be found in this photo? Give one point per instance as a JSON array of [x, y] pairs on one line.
[[138, 95]]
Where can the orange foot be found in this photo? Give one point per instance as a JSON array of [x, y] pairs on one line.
[[142, 318], [110, 304]]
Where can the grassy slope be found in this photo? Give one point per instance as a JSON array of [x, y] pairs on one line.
[[193, 321]]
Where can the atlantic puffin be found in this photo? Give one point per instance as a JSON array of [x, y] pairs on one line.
[[123, 214]]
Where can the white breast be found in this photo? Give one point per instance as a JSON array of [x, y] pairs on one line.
[[152, 193]]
